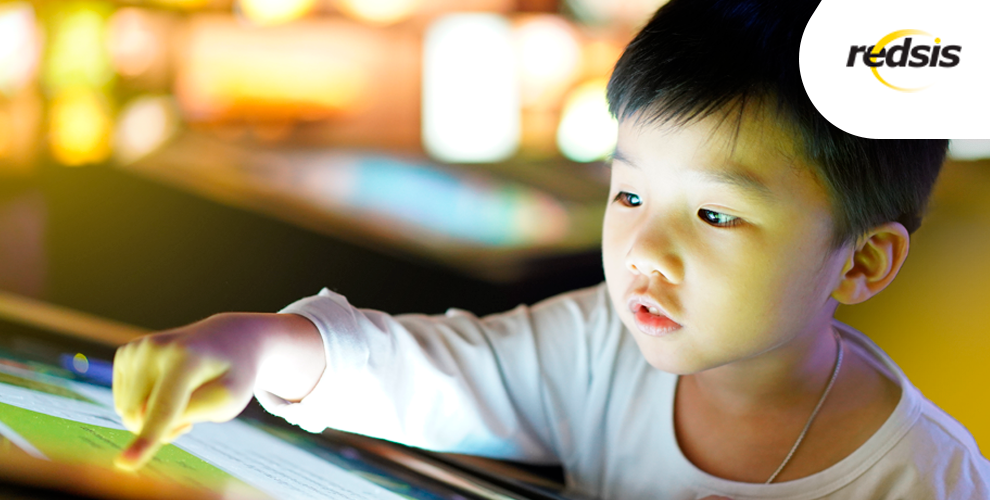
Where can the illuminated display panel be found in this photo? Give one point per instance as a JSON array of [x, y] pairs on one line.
[[61, 431]]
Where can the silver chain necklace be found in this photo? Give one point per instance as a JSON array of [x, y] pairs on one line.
[[835, 373]]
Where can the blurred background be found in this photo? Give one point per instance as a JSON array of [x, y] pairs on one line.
[[161, 161]]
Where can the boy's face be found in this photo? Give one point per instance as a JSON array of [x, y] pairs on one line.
[[731, 243]]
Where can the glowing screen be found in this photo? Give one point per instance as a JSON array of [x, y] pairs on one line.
[[66, 421]]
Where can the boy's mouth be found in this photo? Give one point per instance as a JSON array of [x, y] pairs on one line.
[[650, 319]]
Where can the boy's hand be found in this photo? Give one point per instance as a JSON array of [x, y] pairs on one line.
[[207, 371], [164, 383]]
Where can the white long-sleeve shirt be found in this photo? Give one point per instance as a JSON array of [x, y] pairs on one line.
[[564, 382]]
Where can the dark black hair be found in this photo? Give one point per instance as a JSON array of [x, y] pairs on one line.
[[695, 58]]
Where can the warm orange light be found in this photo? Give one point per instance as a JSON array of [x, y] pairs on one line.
[[6, 133], [270, 12], [548, 55], [20, 117], [599, 57], [133, 45], [378, 11], [309, 69], [80, 125]]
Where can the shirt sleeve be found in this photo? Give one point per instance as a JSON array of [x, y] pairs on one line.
[[940, 460], [506, 386]]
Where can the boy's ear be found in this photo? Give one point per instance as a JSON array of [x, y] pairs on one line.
[[873, 263]]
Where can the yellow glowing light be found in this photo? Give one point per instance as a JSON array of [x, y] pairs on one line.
[[471, 109], [185, 4], [270, 12], [587, 131], [77, 54], [19, 46], [549, 55], [80, 127], [144, 125], [378, 11]]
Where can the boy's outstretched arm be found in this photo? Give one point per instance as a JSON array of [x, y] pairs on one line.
[[512, 385], [207, 371]]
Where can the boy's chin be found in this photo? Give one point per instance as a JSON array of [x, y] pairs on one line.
[[662, 361], [662, 354]]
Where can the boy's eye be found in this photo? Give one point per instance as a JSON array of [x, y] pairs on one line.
[[628, 199], [718, 219]]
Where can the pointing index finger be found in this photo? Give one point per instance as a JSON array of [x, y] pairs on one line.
[[166, 404]]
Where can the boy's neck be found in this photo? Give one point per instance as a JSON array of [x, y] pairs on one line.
[[786, 376], [739, 421]]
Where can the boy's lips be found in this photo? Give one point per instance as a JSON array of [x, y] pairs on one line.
[[650, 317]]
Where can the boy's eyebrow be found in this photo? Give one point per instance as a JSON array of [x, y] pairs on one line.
[[738, 178], [618, 156]]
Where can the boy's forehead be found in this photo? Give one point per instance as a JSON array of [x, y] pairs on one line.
[[752, 146]]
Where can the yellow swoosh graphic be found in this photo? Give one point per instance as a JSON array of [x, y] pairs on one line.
[[882, 43]]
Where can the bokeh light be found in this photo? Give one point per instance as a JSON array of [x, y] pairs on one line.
[[471, 109], [549, 56], [270, 12], [144, 125], [599, 57], [80, 363], [79, 127], [133, 44], [969, 149], [448, 205], [587, 131], [77, 51], [19, 46], [311, 69], [185, 4], [631, 12], [20, 121], [6, 132], [380, 12]]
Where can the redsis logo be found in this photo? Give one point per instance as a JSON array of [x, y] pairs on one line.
[[906, 54]]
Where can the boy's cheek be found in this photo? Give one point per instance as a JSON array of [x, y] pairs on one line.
[[612, 265]]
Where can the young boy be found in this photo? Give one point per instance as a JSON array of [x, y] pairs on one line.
[[708, 363]]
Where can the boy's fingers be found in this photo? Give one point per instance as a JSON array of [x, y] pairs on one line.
[[167, 402], [136, 454], [121, 376], [133, 386], [118, 377]]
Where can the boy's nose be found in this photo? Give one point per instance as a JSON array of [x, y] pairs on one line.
[[652, 255], [648, 271]]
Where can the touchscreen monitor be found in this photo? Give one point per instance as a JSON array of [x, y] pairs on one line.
[[57, 422]]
